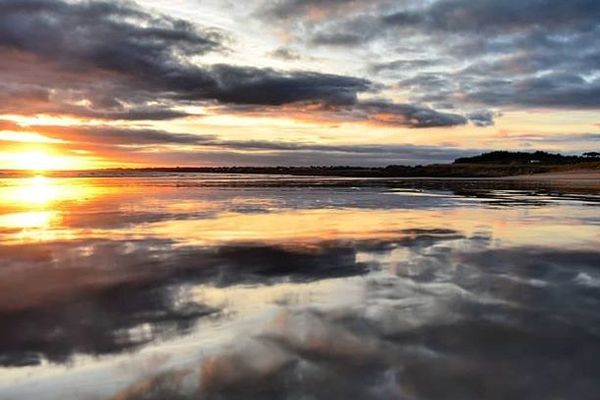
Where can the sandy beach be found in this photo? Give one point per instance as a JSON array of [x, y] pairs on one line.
[[579, 178]]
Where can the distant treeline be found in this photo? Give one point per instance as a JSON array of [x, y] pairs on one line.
[[518, 157]]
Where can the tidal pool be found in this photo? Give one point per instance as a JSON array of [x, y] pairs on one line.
[[274, 287]]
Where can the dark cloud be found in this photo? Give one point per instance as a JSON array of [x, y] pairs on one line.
[[108, 54], [375, 111], [124, 60], [410, 115], [559, 90], [462, 16], [534, 53], [111, 36], [499, 16], [285, 54], [482, 118], [123, 114], [239, 85]]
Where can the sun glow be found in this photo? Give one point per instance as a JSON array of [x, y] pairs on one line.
[[26, 137], [40, 160]]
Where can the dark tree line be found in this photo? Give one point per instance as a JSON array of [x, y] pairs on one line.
[[518, 157]]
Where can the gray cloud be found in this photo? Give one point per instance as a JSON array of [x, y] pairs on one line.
[[268, 87], [409, 114], [285, 54], [135, 144], [482, 118], [113, 35], [533, 53], [402, 64], [119, 52], [499, 16], [286, 9], [560, 90], [375, 111], [492, 17]]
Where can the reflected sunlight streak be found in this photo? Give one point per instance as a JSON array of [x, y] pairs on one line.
[[31, 219], [31, 206], [41, 191]]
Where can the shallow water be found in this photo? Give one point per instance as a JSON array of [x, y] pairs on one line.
[[224, 286]]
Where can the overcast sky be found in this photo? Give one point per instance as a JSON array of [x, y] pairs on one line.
[[294, 82]]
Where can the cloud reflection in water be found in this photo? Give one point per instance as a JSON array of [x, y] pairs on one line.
[[373, 293]]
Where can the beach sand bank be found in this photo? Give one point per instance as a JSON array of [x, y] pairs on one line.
[[578, 178]]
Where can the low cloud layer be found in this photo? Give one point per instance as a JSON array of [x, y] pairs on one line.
[[192, 149]]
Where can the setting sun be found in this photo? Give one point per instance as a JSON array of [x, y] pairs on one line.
[[40, 160]]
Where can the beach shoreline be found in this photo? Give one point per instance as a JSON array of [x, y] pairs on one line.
[[580, 177]]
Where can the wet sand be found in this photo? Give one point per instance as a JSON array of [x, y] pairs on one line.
[[589, 178]]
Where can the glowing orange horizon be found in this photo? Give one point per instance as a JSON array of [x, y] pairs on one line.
[[38, 160], [50, 143], [41, 160]]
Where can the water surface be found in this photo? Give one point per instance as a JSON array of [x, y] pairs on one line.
[[227, 287]]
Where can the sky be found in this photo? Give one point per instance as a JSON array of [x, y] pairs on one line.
[[93, 84]]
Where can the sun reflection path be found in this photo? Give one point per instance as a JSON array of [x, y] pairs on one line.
[[37, 190], [33, 206], [29, 219], [42, 192]]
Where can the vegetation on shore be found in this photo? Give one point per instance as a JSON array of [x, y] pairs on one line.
[[520, 158]]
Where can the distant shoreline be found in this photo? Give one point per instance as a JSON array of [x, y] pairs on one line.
[[537, 165], [581, 178], [521, 172]]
